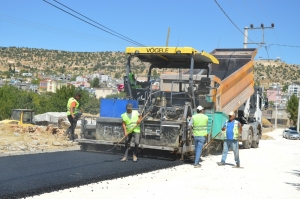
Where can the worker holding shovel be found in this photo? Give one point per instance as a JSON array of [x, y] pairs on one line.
[[130, 120]]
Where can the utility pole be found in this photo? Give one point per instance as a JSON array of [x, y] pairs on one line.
[[252, 28], [298, 115]]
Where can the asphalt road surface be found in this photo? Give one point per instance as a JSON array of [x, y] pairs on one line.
[[28, 175]]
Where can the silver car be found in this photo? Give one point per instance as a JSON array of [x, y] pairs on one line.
[[284, 133], [293, 135]]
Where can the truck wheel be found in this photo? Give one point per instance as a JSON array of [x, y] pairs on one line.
[[255, 143], [83, 147], [248, 142]]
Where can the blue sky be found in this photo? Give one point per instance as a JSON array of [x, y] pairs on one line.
[[200, 24]]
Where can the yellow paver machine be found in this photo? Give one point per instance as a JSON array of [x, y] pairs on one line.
[[221, 81]]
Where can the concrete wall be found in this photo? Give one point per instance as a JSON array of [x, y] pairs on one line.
[[103, 92]]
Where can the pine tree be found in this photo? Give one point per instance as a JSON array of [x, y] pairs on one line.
[[292, 108]]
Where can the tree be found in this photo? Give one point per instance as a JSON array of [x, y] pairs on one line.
[[285, 87], [95, 83], [117, 75], [292, 108]]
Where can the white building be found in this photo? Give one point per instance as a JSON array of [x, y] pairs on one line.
[[294, 89], [104, 78], [81, 79]]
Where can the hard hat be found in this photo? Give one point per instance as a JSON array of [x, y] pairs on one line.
[[200, 108], [231, 113], [129, 106]]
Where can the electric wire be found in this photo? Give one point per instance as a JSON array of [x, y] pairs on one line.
[[97, 23], [92, 24], [284, 45], [232, 21], [56, 30], [241, 15], [272, 28]]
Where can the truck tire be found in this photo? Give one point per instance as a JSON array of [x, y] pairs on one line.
[[255, 143], [83, 147], [247, 144]]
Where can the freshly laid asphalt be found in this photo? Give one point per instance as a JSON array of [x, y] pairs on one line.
[[28, 175]]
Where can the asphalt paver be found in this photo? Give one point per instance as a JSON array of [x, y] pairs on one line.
[[28, 175]]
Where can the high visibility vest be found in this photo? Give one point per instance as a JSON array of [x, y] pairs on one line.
[[70, 101], [131, 78], [200, 124], [235, 130], [130, 123]]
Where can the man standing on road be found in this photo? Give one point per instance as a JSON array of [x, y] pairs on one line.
[[199, 123], [130, 119], [232, 130], [72, 113]]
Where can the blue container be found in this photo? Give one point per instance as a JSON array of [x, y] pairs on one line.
[[115, 107]]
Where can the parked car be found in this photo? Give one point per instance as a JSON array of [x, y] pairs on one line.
[[293, 128], [292, 135], [285, 132]]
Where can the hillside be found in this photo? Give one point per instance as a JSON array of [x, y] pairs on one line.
[[37, 61]]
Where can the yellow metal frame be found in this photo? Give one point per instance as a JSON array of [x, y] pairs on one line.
[[160, 51]]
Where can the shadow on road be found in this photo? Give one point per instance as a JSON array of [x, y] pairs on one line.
[[296, 185]]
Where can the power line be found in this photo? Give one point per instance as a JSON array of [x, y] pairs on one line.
[[56, 30], [232, 21], [98, 23], [243, 16], [92, 24], [284, 45], [270, 22]]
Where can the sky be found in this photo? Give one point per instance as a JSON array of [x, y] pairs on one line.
[[201, 24]]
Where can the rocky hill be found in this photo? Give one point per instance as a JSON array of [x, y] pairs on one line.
[[37, 61]]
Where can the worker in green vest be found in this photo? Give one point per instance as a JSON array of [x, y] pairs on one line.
[[231, 128], [131, 120], [73, 114], [199, 123]]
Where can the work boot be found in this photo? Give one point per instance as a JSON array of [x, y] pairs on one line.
[[124, 159], [134, 158], [221, 163], [236, 166]]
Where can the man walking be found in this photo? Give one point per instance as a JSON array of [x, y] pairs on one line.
[[199, 123], [72, 111], [130, 119], [232, 130]]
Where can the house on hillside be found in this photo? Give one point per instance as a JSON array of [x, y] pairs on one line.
[[50, 85], [81, 84], [82, 79], [294, 89]]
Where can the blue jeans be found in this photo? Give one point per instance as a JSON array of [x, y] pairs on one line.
[[199, 142], [226, 146]]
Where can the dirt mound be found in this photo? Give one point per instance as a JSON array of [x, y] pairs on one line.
[[32, 138]]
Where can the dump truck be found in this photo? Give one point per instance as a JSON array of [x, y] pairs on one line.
[[221, 81]]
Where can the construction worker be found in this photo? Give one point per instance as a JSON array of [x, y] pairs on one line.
[[72, 113], [231, 130], [131, 118], [199, 122]]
